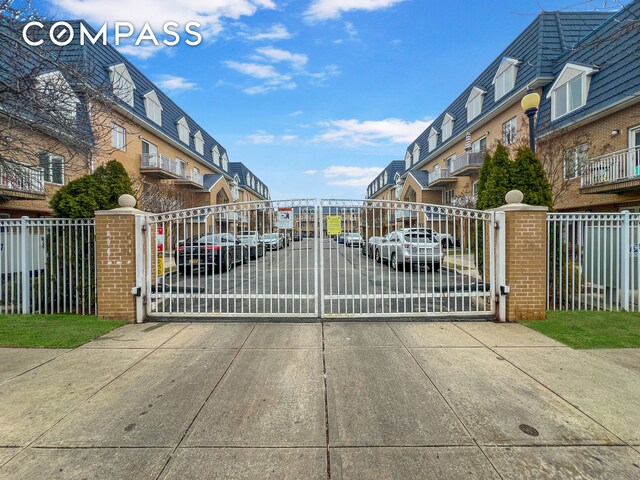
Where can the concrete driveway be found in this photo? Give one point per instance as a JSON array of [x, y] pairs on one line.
[[307, 401]]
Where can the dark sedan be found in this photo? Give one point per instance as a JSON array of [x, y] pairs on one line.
[[218, 252]]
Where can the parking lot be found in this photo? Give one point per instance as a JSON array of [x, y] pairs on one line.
[[286, 281]]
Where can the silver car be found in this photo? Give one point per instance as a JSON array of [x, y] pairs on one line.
[[416, 249]]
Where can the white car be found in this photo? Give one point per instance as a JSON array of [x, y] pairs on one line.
[[446, 240]]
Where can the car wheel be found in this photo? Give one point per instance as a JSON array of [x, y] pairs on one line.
[[245, 257], [377, 255], [394, 261], [435, 267]]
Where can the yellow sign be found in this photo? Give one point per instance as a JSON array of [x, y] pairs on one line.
[[160, 267], [334, 225]]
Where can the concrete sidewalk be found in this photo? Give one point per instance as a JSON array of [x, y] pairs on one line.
[[333, 400]]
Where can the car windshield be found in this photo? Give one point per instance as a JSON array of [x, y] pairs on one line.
[[418, 237], [353, 235], [212, 239], [270, 236]]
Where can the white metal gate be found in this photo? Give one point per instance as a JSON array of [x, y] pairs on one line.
[[320, 259]]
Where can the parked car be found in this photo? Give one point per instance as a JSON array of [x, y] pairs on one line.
[[297, 237], [414, 248], [272, 241], [444, 239], [286, 238], [371, 245], [340, 238], [353, 240], [253, 241], [217, 252]]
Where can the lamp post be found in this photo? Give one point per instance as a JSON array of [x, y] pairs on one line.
[[530, 104]]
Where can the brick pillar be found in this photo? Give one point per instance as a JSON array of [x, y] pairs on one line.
[[116, 264], [526, 259]]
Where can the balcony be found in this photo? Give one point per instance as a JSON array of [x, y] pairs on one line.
[[441, 177], [158, 166], [615, 172], [467, 164], [193, 181], [18, 181]]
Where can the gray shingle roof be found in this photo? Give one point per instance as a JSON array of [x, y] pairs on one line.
[[396, 166], [240, 169], [210, 179], [536, 48], [613, 48], [420, 176]]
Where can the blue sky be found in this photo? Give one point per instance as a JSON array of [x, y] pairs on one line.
[[316, 96]]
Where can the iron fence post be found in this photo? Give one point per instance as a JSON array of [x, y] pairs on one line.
[[26, 291], [625, 256]]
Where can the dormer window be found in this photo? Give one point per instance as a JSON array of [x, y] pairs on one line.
[[152, 107], [183, 130], [58, 95], [433, 139], [386, 178], [505, 78], [225, 161], [215, 154], [447, 127], [474, 103], [569, 91], [408, 160], [121, 83], [198, 142], [416, 154]]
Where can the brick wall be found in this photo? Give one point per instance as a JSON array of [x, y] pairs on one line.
[[526, 253], [115, 265]]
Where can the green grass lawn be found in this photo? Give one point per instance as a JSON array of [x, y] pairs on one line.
[[581, 329], [52, 331]]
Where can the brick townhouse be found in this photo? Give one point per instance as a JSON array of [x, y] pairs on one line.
[[166, 152], [593, 128]]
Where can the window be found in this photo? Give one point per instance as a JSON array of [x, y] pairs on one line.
[[479, 145], [450, 163], [122, 83], [183, 130], [198, 142], [510, 131], [433, 139], [474, 103], [415, 158], [195, 172], [574, 159], [386, 178], [408, 161], [447, 127], [118, 137], [474, 190], [153, 108], [569, 91], [215, 153], [149, 154], [53, 167], [505, 78], [182, 168], [58, 95], [225, 161], [447, 197]]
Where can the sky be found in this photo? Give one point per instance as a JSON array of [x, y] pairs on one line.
[[316, 97]]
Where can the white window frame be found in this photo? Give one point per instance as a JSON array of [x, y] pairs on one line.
[[153, 107], [447, 126], [433, 139], [58, 93], [183, 130], [48, 168], [225, 161], [447, 196], [576, 156], [513, 132], [118, 137], [215, 154], [181, 167], [477, 142], [122, 84], [474, 103], [565, 80], [408, 160], [198, 142], [500, 83]]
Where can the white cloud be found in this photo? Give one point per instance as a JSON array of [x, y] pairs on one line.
[[329, 9], [297, 113], [288, 138], [275, 32], [141, 51], [175, 83], [371, 132], [210, 14], [276, 55], [261, 137], [255, 70], [347, 176]]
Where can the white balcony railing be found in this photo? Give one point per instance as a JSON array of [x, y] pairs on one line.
[[194, 177], [21, 178], [467, 159], [158, 161], [612, 167], [438, 174]]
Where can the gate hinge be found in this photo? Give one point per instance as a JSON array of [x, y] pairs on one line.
[[496, 225], [144, 227]]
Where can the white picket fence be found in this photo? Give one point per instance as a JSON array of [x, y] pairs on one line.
[[47, 265], [593, 261]]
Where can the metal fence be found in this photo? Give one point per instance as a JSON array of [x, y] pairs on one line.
[[321, 259], [593, 261], [47, 265]]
